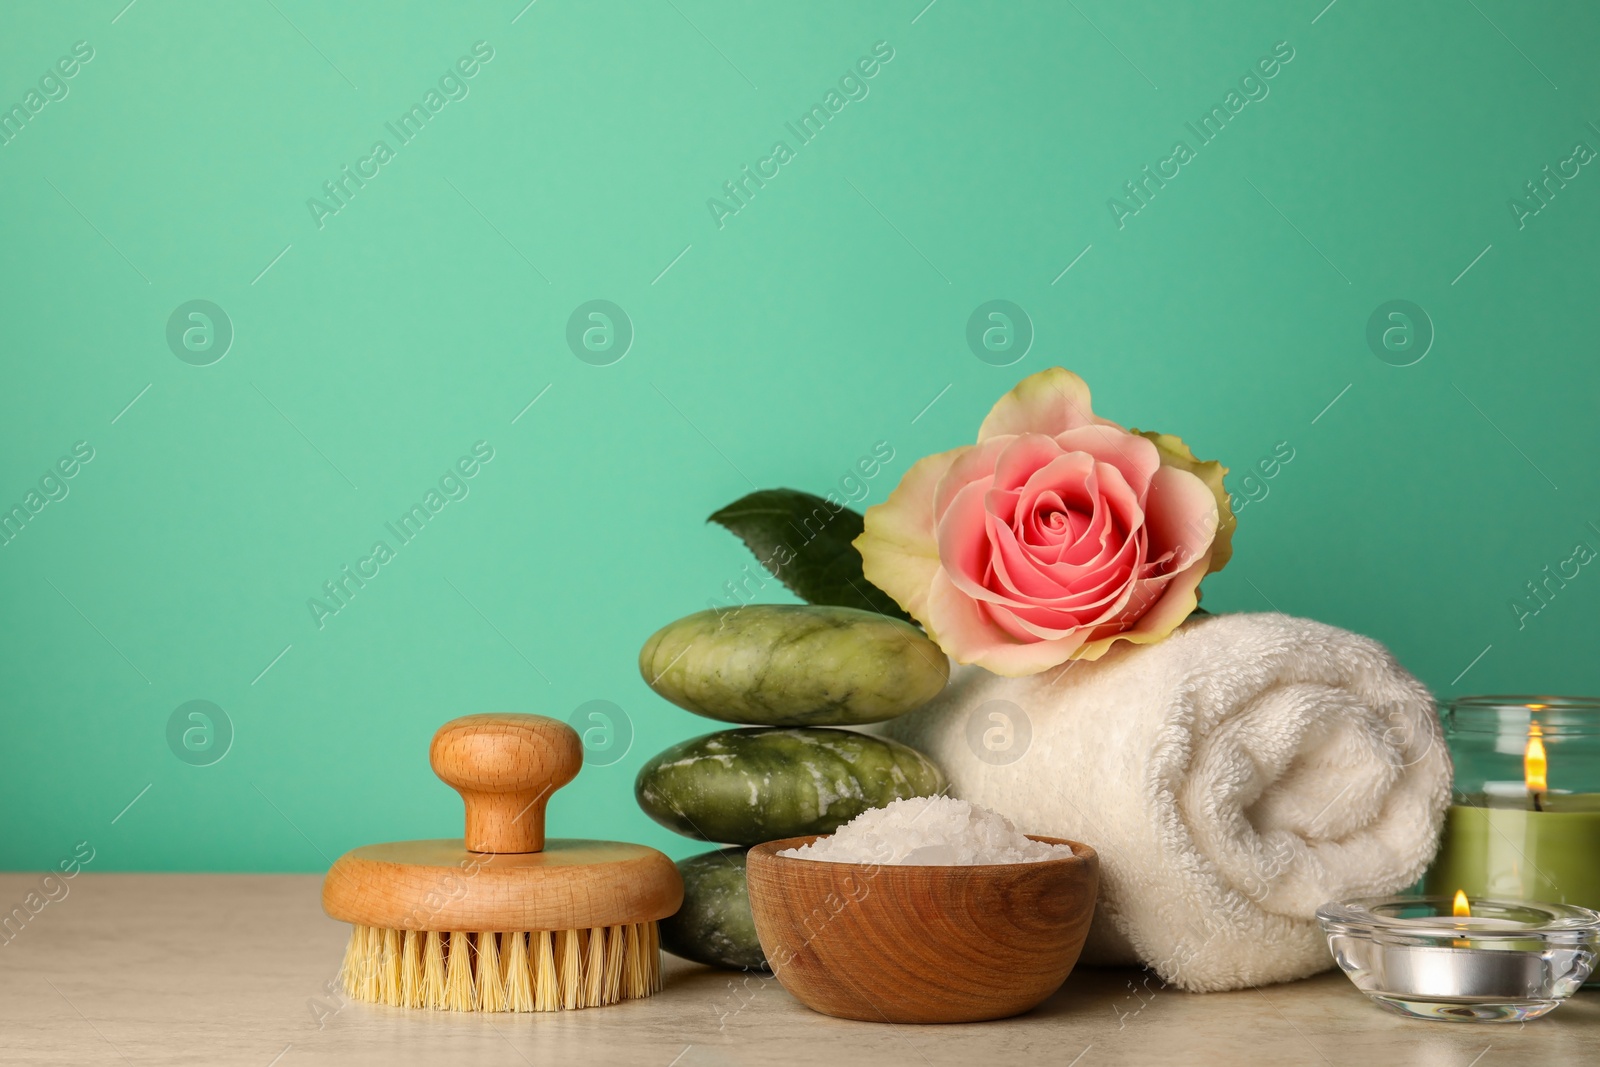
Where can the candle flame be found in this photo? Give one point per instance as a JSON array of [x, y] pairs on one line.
[[1535, 768], [1460, 908]]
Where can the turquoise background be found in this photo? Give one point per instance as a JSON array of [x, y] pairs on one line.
[[823, 317]]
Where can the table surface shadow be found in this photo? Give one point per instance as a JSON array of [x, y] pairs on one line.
[[239, 969]]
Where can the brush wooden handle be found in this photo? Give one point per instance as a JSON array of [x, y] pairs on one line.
[[505, 767]]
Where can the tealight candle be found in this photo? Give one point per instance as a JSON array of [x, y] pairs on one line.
[[1463, 959], [1525, 824]]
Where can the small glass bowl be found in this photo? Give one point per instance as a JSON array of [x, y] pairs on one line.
[[1508, 962]]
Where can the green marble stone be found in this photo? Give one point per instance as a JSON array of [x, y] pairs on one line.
[[743, 787], [714, 925], [794, 665]]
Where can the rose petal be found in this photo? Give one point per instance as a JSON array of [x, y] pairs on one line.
[[1047, 521], [1033, 582], [1015, 568], [1011, 573], [899, 553], [1007, 619], [963, 539], [1134, 457], [957, 623], [970, 635], [1182, 516], [983, 559], [1049, 402], [1177, 601], [969, 559], [975, 462], [1119, 514], [1115, 510], [1097, 599], [1174, 453], [1019, 462], [1054, 519]]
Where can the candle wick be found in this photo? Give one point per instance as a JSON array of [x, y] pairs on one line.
[[1538, 799]]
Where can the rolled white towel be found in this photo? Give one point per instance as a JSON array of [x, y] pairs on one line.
[[1233, 777]]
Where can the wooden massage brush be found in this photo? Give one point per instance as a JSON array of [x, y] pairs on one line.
[[503, 920]]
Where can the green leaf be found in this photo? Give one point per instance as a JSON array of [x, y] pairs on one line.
[[806, 543]]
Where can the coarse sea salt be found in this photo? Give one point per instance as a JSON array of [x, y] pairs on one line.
[[928, 832]]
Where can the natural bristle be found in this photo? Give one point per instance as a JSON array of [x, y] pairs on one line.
[[432, 970], [389, 968], [491, 978], [458, 974], [546, 983], [411, 970], [512, 971], [594, 970], [519, 980]]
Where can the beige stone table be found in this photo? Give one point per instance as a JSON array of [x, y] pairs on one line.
[[234, 969]]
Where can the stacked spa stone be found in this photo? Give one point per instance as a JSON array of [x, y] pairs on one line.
[[796, 674]]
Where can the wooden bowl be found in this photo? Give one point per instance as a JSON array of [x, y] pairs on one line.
[[910, 944]]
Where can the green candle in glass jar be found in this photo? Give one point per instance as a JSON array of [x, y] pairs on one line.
[[1526, 821]]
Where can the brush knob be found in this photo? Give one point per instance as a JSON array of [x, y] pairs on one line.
[[505, 767]]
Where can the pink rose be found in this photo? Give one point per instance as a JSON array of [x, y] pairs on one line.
[[1056, 535]]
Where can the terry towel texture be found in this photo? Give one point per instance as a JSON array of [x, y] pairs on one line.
[[1233, 778]]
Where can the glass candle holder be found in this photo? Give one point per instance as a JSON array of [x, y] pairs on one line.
[[1459, 959], [1524, 822]]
